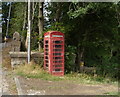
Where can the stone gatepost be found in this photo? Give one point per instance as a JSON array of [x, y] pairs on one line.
[[12, 45], [16, 42]]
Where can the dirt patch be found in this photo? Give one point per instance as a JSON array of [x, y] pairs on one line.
[[8, 78], [8, 84], [45, 87], [6, 60]]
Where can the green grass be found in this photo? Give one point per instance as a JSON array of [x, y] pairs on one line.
[[44, 76], [111, 93], [35, 71], [89, 79]]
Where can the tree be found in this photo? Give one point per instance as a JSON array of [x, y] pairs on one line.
[[40, 24]]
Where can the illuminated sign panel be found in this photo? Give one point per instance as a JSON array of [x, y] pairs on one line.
[[57, 36]]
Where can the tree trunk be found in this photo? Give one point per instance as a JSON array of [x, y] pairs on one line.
[[58, 11], [79, 58], [25, 19], [23, 40], [40, 24], [26, 41], [80, 54]]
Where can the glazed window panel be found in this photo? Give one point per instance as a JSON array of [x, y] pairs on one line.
[[57, 49], [46, 42], [57, 41], [57, 54]]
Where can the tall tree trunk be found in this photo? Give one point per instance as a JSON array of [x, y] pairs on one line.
[[23, 40], [58, 11], [40, 24], [25, 15], [79, 57], [25, 21], [34, 5]]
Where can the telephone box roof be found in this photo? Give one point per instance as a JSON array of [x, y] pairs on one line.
[[53, 32]]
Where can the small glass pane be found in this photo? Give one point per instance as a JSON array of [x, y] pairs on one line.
[[57, 49], [56, 53], [58, 65], [57, 41], [46, 57], [57, 61], [57, 69], [57, 57], [58, 46], [46, 61], [46, 53], [46, 46], [46, 49], [46, 41], [46, 65]]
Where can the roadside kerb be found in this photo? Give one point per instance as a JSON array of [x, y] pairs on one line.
[[19, 89]]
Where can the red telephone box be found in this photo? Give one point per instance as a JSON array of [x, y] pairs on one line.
[[54, 52]]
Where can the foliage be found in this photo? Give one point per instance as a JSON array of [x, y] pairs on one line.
[[18, 21], [5, 8], [70, 58], [56, 27], [99, 36]]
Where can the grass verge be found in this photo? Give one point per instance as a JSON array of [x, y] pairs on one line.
[[112, 93], [35, 71]]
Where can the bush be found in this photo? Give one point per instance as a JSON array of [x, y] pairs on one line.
[[69, 58]]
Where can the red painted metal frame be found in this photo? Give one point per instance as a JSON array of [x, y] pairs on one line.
[[51, 37]]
